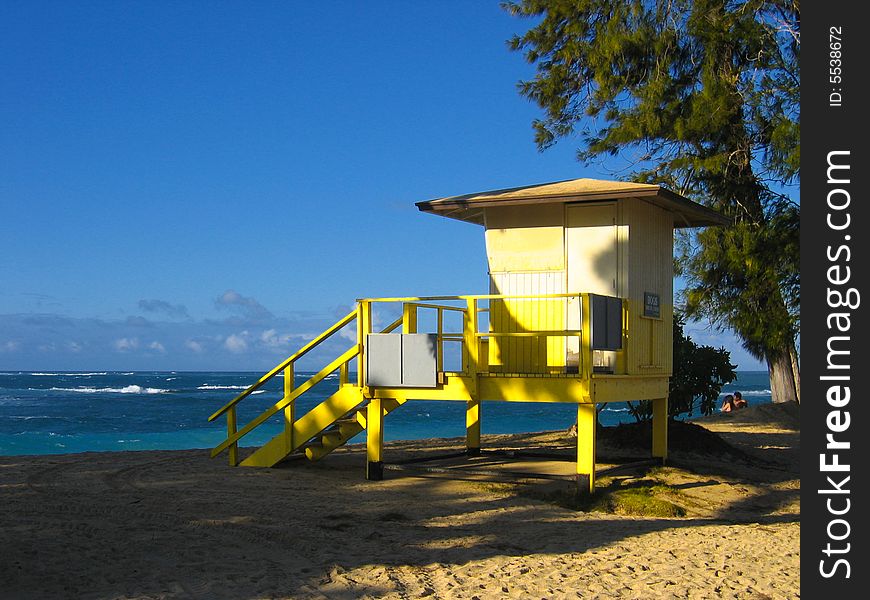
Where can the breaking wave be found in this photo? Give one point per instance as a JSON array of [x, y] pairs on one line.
[[69, 374], [208, 386], [128, 389]]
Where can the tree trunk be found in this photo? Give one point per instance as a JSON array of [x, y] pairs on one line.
[[796, 369], [783, 383]]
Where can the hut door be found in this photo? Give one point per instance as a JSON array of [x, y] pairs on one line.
[[591, 243]]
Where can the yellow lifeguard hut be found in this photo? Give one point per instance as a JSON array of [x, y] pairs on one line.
[[580, 310]]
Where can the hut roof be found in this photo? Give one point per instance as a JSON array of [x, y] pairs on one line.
[[469, 207]]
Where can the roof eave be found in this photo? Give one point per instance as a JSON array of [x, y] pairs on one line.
[[686, 212]]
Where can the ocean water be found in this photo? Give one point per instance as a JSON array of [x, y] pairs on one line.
[[62, 412]]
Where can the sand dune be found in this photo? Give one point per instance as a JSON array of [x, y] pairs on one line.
[[178, 525]]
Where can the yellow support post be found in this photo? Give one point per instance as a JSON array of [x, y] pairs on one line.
[[363, 328], [660, 429], [439, 343], [231, 431], [344, 374], [472, 351], [472, 427], [375, 440], [290, 409], [469, 338], [409, 318], [586, 422]]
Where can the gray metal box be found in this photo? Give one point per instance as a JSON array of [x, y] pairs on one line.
[[419, 351], [384, 359], [606, 319], [401, 360]]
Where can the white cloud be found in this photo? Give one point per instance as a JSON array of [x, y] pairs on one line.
[[187, 342], [193, 346], [126, 344], [237, 342], [270, 338], [248, 307], [162, 306]]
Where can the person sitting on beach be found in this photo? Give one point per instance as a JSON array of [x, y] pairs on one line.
[[739, 402], [728, 404]]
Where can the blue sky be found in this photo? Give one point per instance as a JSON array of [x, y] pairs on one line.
[[203, 186]]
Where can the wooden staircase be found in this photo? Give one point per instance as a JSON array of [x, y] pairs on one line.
[[327, 426]]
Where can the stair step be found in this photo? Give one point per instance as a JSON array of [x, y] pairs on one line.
[[307, 429], [347, 414], [316, 450], [348, 427], [330, 436]]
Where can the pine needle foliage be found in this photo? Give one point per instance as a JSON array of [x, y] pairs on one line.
[[703, 97]]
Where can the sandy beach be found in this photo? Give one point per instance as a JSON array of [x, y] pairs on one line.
[[162, 524]]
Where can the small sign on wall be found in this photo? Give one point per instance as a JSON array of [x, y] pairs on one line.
[[651, 306]]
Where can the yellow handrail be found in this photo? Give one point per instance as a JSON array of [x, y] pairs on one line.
[[301, 352], [436, 306], [473, 297], [314, 380], [561, 333], [392, 326]]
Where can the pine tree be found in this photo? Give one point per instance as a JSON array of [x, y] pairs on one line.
[[702, 96]]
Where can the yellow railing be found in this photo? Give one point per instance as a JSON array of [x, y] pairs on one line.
[[473, 361], [288, 362], [290, 394], [362, 314], [473, 351]]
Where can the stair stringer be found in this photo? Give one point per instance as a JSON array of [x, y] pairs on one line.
[[343, 430], [347, 398]]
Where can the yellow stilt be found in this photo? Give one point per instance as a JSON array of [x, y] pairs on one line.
[[472, 427], [660, 429], [375, 440], [471, 366], [586, 421]]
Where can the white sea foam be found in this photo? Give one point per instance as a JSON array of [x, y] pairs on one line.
[[71, 374], [209, 386], [28, 418], [129, 389], [749, 393], [615, 410]]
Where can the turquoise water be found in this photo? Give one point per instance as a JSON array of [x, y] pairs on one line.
[[62, 412]]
